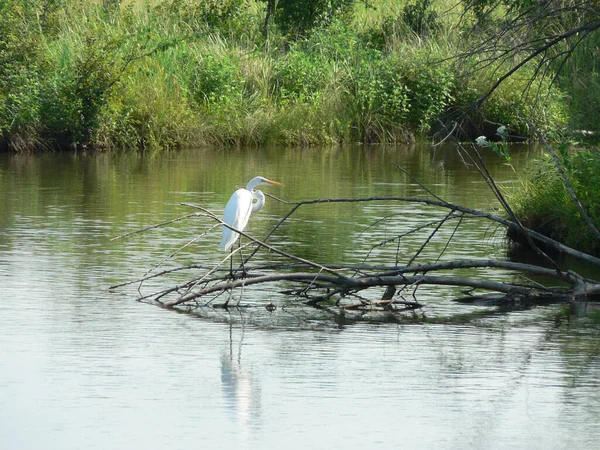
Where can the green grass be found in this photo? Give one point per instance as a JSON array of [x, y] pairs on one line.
[[180, 72], [581, 78], [544, 204]]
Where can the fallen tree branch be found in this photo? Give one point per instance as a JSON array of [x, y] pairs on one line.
[[443, 204], [376, 286], [398, 277], [360, 283]]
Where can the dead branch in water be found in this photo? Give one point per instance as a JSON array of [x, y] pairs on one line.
[[364, 286]]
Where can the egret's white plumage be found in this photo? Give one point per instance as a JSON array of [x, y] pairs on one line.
[[240, 206]]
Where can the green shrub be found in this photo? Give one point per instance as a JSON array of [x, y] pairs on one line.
[[300, 76], [171, 72], [420, 17], [22, 63], [296, 18], [544, 204], [430, 89], [216, 81], [377, 99], [201, 17]]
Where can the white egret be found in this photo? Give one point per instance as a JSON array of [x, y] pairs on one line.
[[242, 203]]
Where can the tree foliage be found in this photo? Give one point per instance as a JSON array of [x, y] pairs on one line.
[[176, 72], [512, 35], [296, 18]]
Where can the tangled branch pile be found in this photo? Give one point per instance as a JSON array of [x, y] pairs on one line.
[[394, 284]]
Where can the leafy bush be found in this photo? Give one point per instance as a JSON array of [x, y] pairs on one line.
[[296, 18], [420, 17], [199, 17], [430, 89], [172, 72], [216, 80], [544, 204], [300, 76], [21, 64]]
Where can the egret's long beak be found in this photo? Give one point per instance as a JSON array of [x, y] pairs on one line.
[[275, 183]]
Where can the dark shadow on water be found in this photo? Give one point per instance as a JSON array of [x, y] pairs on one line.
[[523, 253]]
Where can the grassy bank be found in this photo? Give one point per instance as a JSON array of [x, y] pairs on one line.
[[545, 205], [182, 72]]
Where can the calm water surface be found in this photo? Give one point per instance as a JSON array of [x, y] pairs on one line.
[[82, 367]]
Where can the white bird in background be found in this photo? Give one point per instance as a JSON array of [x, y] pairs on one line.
[[242, 203]]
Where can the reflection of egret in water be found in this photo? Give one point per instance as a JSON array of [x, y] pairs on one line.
[[240, 388]]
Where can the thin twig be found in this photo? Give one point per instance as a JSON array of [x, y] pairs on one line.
[[152, 227]]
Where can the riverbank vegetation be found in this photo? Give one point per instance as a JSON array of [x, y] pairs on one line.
[[548, 205], [164, 73]]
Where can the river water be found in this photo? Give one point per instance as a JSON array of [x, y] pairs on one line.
[[86, 367]]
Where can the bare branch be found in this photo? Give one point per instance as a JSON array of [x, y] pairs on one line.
[[152, 227]]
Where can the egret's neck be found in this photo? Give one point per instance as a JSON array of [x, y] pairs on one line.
[[253, 183], [260, 201]]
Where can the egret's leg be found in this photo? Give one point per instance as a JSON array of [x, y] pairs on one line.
[[242, 264], [241, 256]]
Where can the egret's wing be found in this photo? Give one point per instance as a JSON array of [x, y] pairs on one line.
[[237, 214]]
